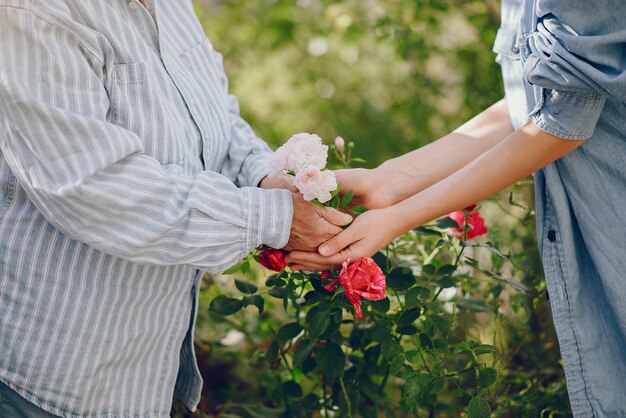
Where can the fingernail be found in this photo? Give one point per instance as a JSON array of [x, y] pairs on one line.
[[347, 218], [324, 249]]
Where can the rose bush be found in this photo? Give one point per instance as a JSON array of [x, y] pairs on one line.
[[354, 344]]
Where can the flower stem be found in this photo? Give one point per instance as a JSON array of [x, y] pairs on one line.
[[345, 394]]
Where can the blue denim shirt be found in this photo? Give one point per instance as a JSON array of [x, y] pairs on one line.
[[564, 67]]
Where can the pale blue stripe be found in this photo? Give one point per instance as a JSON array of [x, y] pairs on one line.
[[119, 177]]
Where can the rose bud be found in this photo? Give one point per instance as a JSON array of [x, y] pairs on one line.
[[273, 259]]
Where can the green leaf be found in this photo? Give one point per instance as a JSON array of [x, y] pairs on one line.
[[414, 295], [434, 324], [446, 222], [428, 269], [400, 279], [445, 282], [379, 332], [368, 387], [246, 287], [318, 321], [396, 364], [436, 384], [255, 300], [334, 202], [359, 210], [277, 292], [390, 348], [425, 340], [487, 377], [289, 331], [407, 330], [381, 306], [303, 351], [357, 160], [484, 349], [408, 317], [413, 356], [245, 267], [381, 260], [275, 281], [413, 392], [272, 352], [425, 231], [292, 389], [347, 198], [225, 306], [330, 360], [234, 269], [478, 408], [446, 269]]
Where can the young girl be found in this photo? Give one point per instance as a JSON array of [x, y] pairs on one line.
[[564, 119]]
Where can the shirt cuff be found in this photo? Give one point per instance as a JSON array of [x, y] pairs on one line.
[[270, 213], [256, 168], [569, 115]]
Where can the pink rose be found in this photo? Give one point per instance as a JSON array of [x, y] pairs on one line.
[[362, 279], [273, 259], [305, 150], [316, 184], [476, 224], [340, 144]]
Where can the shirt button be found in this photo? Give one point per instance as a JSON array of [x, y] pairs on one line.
[[552, 235], [133, 5]]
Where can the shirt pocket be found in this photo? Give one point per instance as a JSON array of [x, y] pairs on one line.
[[139, 105], [506, 44], [205, 87]]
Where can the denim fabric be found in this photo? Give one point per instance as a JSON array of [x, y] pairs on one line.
[[13, 405], [564, 67]]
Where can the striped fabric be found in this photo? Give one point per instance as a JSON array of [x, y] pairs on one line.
[[125, 171]]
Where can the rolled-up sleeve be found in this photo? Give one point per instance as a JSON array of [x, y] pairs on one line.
[[91, 179], [577, 55]]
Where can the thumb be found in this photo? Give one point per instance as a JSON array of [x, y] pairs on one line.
[[336, 243], [335, 217]]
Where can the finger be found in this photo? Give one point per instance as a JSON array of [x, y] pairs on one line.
[[313, 258], [337, 243], [335, 217]]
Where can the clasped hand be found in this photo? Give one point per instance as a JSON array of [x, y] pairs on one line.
[[317, 241]]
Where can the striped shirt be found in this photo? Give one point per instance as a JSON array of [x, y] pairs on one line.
[[125, 171]]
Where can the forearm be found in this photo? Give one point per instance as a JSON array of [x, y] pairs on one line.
[[413, 172], [520, 154]]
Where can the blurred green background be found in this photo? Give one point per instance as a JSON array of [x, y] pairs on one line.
[[389, 75]]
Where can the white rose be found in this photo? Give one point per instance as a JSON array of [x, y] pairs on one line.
[[278, 161], [305, 150], [316, 184]]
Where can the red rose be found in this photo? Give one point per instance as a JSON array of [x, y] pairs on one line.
[[329, 281], [476, 224], [273, 259], [362, 279], [470, 207]]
